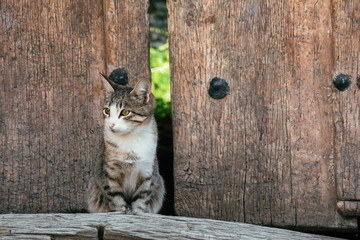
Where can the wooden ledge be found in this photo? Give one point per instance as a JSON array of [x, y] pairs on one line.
[[147, 226]]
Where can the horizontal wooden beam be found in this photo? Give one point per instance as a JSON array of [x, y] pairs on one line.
[[147, 226]]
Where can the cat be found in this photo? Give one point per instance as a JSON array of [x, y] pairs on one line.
[[127, 177]]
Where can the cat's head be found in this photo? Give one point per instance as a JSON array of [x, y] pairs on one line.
[[126, 108]]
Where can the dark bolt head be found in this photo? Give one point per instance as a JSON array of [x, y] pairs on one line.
[[219, 88], [119, 76], [342, 81]]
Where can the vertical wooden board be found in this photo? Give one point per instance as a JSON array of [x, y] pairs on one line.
[[346, 15], [51, 92], [262, 154], [127, 29], [51, 54]]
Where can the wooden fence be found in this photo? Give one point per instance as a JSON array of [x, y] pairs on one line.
[[51, 94], [270, 141], [282, 148]]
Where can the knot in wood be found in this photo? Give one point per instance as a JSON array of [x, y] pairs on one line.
[[119, 76], [219, 88], [342, 81]]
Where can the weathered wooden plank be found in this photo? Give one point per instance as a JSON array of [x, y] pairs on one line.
[[26, 237], [147, 226], [51, 54], [127, 41], [347, 103], [51, 92], [263, 154]]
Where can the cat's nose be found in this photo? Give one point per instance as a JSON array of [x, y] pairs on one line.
[[111, 125]]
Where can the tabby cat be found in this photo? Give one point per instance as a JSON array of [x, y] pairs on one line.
[[127, 178]]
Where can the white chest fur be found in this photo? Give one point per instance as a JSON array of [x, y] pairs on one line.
[[141, 143]]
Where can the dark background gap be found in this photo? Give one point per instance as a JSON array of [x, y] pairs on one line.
[[158, 21]]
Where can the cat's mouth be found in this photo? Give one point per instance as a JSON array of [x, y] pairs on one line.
[[119, 131], [114, 130]]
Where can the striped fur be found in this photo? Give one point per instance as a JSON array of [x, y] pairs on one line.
[[127, 176]]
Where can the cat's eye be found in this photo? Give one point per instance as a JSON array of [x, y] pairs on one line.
[[107, 111], [124, 113]]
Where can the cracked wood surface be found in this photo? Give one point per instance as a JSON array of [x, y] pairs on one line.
[[51, 93], [147, 226], [347, 103], [264, 154]]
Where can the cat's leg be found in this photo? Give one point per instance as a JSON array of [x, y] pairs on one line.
[[140, 202], [157, 197], [97, 198], [114, 178], [118, 202], [149, 196]]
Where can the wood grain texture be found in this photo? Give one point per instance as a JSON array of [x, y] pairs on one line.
[[51, 54], [346, 22], [127, 29], [27, 237], [263, 154], [349, 208], [147, 226], [51, 93]]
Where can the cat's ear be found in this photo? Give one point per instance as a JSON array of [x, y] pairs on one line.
[[109, 85], [142, 91]]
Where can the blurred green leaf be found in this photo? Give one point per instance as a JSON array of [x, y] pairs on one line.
[[160, 75]]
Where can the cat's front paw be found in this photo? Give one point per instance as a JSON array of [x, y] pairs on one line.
[[138, 211], [125, 210], [121, 209]]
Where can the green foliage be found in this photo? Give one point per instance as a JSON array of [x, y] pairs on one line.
[[160, 75]]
